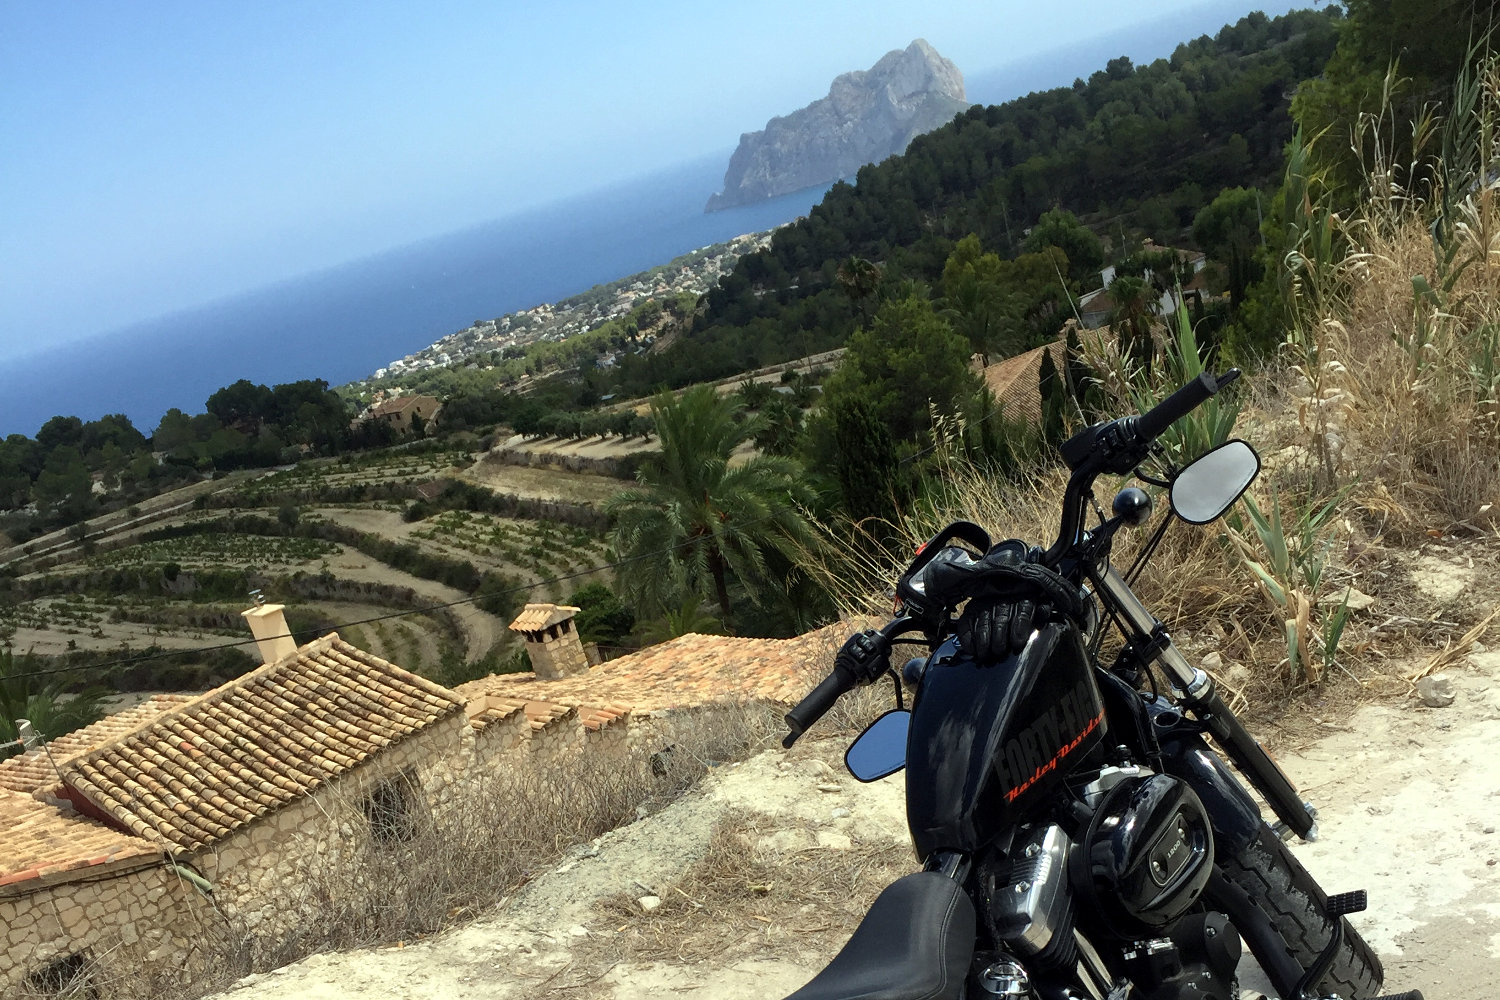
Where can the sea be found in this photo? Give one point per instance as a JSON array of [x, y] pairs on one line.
[[343, 323]]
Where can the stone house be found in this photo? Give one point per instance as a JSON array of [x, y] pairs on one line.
[[150, 846], [154, 831], [399, 411]]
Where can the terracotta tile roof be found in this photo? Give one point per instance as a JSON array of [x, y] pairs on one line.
[[398, 405], [1014, 381], [545, 714], [33, 771], [597, 719], [486, 709], [535, 617], [226, 758], [45, 846], [689, 671]]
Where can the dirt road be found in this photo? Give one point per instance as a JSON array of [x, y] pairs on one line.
[[1409, 799]]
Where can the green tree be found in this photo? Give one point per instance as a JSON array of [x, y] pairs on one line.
[[694, 521], [602, 617], [1061, 228], [907, 364], [1054, 395], [54, 703], [1131, 318], [779, 427], [866, 461], [860, 281], [974, 296], [1228, 230]]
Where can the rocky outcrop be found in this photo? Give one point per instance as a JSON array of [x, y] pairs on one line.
[[867, 116]]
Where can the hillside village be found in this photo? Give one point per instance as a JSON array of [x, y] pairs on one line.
[[691, 274]]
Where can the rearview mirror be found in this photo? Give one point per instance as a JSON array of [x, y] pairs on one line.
[[880, 751], [1204, 490]]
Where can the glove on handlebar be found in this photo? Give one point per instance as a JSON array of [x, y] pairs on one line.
[[992, 630], [1010, 594], [864, 656]]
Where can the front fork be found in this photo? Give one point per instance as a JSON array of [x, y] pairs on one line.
[[1198, 694]]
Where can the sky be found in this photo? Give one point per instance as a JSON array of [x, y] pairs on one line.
[[159, 156]]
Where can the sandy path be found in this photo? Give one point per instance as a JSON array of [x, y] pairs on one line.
[[481, 629], [1409, 805]]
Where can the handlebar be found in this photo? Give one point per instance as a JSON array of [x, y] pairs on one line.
[[843, 678], [1118, 446], [1113, 446], [817, 703], [1150, 425]]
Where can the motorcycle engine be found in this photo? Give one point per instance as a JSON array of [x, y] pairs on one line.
[[1146, 857], [1030, 908]]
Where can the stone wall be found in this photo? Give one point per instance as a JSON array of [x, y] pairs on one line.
[[278, 877], [137, 932], [556, 652]]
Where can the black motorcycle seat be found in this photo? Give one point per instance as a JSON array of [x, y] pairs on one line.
[[914, 944]]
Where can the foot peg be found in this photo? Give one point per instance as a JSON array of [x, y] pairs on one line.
[[1346, 903], [1336, 907], [1412, 995]]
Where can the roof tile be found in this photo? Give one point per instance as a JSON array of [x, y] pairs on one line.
[[211, 764], [34, 771], [535, 617], [43, 841], [688, 671]]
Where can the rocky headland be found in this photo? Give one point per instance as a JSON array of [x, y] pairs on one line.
[[867, 116]]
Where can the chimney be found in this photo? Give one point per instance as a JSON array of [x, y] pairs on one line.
[[268, 625], [551, 641]]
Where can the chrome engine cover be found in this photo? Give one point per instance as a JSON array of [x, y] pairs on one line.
[[1030, 903]]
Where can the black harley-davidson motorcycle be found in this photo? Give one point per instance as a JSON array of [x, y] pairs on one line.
[[1080, 835]]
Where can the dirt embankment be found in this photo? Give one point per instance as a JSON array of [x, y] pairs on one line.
[[1409, 802]]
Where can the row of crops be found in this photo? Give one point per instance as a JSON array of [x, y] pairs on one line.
[[249, 551], [542, 547], [312, 478]]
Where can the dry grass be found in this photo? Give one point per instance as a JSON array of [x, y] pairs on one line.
[[492, 834], [750, 895]]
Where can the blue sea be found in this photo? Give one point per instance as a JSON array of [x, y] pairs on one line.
[[343, 323]]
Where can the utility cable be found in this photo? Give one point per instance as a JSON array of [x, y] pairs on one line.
[[112, 665]]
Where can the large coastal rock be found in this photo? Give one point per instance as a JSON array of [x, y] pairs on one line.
[[867, 116]]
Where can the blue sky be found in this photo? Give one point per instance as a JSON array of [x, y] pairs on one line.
[[156, 156]]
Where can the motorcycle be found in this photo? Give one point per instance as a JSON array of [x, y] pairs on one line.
[[1079, 835]]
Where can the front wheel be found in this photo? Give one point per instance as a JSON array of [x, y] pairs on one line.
[[1290, 907]]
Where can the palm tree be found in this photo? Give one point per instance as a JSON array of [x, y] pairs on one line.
[[694, 520], [43, 698]]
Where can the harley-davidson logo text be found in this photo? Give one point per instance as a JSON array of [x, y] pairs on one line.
[[1041, 746]]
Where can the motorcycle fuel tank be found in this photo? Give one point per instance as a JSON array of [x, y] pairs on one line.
[[988, 740]]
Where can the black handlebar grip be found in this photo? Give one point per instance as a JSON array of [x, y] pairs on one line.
[[817, 703], [1149, 425]]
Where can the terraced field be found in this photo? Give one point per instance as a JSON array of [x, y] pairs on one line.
[[312, 478], [537, 548], [221, 551], [112, 591]]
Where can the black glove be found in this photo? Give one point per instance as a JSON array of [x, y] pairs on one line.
[[864, 656], [1010, 595], [992, 629]]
